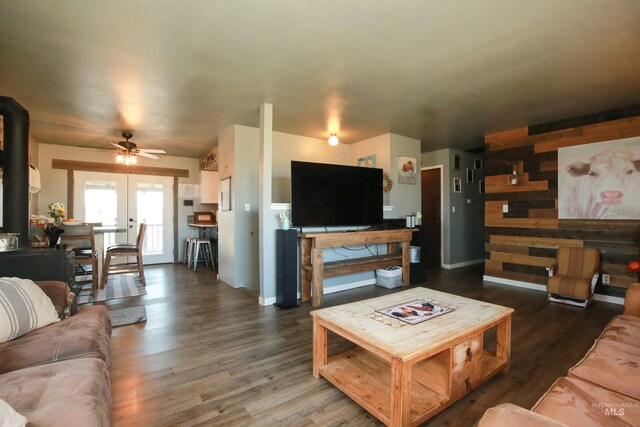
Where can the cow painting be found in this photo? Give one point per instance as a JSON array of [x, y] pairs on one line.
[[605, 185]]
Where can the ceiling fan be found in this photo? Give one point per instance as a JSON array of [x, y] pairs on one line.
[[127, 150]]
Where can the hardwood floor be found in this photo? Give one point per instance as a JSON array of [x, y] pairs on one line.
[[210, 355]]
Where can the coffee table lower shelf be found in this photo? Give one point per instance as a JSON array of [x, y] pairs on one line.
[[366, 379]]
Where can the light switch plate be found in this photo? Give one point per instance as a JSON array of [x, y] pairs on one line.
[[505, 208], [247, 207]]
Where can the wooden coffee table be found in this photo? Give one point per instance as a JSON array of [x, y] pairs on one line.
[[404, 375]]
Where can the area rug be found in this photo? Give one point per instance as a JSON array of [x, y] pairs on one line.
[[118, 286], [128, 316]]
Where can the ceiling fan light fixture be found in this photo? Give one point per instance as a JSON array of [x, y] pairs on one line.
[[333, 140], [126, 159]]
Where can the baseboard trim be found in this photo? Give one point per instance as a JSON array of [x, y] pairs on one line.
[[463, 264], [543, 288], [609, 298], [338, 288], [516, 283], [266, 301]]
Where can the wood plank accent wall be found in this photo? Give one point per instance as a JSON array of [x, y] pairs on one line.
[[521, 243]]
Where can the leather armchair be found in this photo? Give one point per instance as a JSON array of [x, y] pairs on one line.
[[576, 274]]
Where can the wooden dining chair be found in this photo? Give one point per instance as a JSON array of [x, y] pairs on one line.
[[125, 250], [81, 237]]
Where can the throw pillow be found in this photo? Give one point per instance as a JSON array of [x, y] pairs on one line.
[[23, 308], [9, 417]]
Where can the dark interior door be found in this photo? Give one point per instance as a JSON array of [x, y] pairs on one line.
[[431, 218]]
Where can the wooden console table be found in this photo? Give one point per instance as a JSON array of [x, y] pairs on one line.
[[314, 269]]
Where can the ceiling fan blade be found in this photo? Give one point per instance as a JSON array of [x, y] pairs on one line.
[[150, 156], [152, 150], [116, 145]]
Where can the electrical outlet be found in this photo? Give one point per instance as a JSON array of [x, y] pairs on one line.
[[247, 207], [453, 209], [606, 279], [468, 201], [505, 208]]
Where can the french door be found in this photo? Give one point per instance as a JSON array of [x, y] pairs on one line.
[[125, 201]]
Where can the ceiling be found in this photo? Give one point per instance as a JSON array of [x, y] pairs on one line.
[[177, 73]]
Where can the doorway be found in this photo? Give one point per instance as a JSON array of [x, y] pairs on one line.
[[125, 201], [431, 207]]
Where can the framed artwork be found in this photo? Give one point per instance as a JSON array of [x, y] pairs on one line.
[[457, 185], [599, 180], [407, 170], [477, 163], [225, 194], [456, 162], [469, 175], [367, 162], [481, 186]]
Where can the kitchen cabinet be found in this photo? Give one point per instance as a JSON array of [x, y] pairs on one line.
[[208, 186]]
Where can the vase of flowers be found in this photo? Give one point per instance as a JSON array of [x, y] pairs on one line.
[[284, 220], [57, 211]]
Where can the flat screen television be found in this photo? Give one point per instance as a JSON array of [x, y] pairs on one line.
[[333, 195]]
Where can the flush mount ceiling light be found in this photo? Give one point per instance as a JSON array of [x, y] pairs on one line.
[[333, 140]]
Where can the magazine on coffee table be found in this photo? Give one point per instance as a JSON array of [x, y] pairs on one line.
[[416, 311]]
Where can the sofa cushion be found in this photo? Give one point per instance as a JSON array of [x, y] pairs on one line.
[[625, 329], [86, 334], [69, 393], [58, 293], [580, 403], [9, 417], [509, 415], [574, 287], [23, 308], [611, 364], [632, 300]]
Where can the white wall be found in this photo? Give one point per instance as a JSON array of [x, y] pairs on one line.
[[380, 146], [287, 147], [405, 198], [54, 181], [239, 157]]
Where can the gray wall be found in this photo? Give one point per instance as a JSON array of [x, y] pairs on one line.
[[238, 153], [244, 189], [463, 231], [467, 223], [435, 158]]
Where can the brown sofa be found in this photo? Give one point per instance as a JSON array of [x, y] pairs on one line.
[[58, 375], [602, 389]]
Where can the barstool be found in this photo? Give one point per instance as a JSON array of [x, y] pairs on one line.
[[206, 252], [188, 251]]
